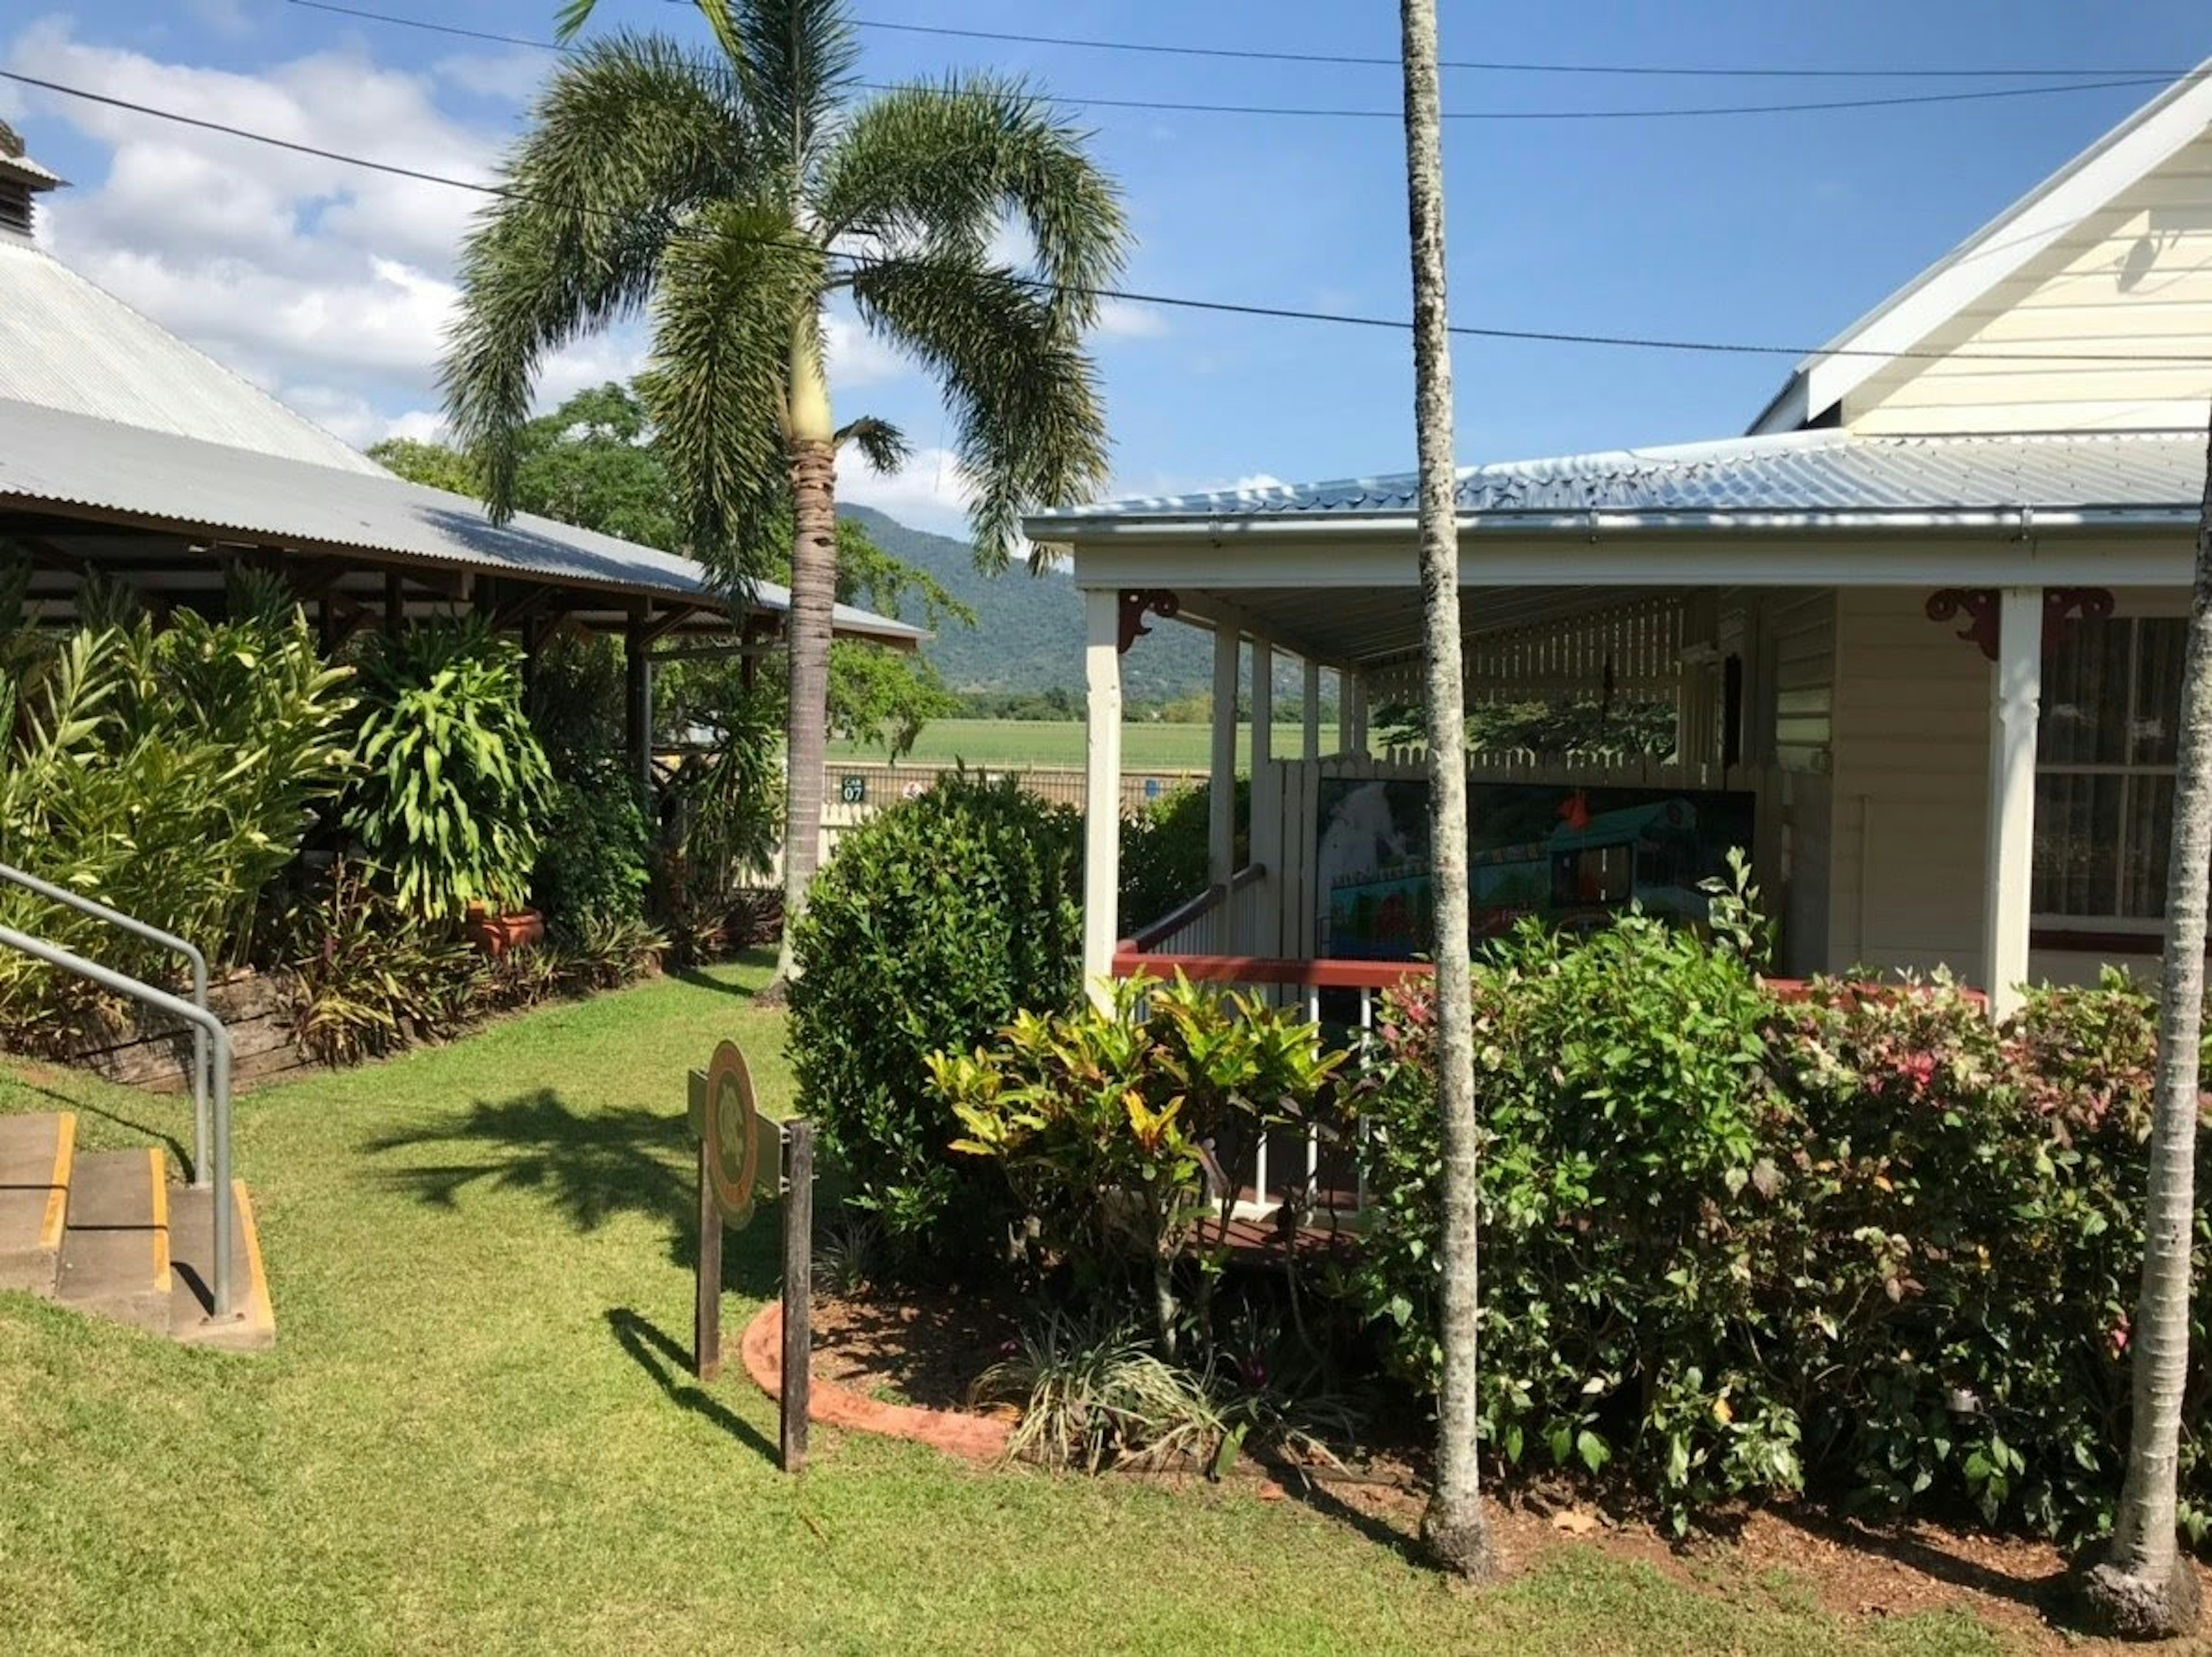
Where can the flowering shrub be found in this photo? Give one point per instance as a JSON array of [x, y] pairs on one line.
[[1733, 1245]]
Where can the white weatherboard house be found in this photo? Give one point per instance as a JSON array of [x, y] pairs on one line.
[[1921, 627]]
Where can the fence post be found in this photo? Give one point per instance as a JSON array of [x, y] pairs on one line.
[[797, 1290]]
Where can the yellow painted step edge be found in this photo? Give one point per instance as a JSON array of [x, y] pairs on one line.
[[259, 1308], [56, 1219], [162, 1275]]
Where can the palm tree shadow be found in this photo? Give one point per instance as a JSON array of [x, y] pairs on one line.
[[669, 1363], [589, 1167]]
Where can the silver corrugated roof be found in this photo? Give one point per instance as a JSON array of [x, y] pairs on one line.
[[1794, 474], [54, 459], [66, 344]]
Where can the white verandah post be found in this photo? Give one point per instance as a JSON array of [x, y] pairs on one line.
[[1101, 827], [1264, 934], [1310, 711], [1221, 808], [2016, 692]]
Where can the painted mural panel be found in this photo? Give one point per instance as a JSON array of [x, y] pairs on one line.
[[1574, 856]]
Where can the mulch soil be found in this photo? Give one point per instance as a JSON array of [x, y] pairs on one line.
[[925, 1347]]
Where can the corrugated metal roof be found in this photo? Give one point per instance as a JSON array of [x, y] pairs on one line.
[[66, 344], [1794, 474], [49, 458]]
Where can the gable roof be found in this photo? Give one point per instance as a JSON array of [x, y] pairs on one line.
[[1997, 253], [66, 344], [1798, 479], [76, 466]]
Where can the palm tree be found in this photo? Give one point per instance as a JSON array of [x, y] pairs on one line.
[[1453, 1529], [727, 196], [2142, 1586]]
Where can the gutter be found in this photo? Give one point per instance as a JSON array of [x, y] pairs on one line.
[[2012, 521]]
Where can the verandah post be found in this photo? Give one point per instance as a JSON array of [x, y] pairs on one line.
[[2016, 692], [1221, 818], [1102, 827]]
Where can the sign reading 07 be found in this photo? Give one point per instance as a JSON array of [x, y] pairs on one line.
[[740, 1146]]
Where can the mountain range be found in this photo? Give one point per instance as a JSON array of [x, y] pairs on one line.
[[1029, 628]]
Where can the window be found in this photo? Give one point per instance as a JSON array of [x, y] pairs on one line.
[[2104, 762]]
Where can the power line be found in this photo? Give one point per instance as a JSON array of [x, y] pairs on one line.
[[1166, 301], [1157, 105], [1255, 54]]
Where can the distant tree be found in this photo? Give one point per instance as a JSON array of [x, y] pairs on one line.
[[592, 462], [431, 464], [730, 196]]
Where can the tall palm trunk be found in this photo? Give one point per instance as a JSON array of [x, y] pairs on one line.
[[1453, 1529], [2143, 1588], [812, 438]]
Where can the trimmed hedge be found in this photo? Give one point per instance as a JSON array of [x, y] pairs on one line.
[[938, 919]]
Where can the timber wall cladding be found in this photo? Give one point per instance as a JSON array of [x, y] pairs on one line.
[[260, 1011]]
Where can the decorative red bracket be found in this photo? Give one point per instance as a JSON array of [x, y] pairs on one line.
[[1135, 600], [2062, 609]]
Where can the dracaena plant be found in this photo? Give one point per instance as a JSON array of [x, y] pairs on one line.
[[453, 790]]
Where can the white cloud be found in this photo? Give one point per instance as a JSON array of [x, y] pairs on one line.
[[351, 417], [1253, 482], [511, 77], [931, 491], [225, 17], [325, 283], [1123, 319], [855, 356]]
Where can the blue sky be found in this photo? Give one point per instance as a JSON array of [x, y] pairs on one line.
[[331, 286]]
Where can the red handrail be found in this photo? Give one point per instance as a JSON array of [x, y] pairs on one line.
[[1194, 908], [1129, 961]]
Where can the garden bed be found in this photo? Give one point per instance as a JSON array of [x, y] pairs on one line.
[[889, 1363]]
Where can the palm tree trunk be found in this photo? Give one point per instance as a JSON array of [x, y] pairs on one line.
[[1453, 1529], [813, 438], [2143, 1588]]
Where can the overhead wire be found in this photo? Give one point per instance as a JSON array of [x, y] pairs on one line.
[[1167, 301], [1160, 106]]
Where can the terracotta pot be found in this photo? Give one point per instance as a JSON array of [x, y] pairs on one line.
[[496, 934]]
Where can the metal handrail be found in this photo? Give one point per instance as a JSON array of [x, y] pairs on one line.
[[218, 1039], [191, 951]]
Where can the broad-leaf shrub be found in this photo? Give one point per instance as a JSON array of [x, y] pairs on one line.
[[1623, 1112], [453, 789], [937, 920], [1733, 1245], [1164, 851], [1119, 1130], [591, 870], [170, 774]]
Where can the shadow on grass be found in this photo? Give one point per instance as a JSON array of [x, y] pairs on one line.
[[706, 981], [28, 1080], [590, 1167], [668, 1362]]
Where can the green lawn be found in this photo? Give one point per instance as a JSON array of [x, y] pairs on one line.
[[1146, 746], [477, 1434]]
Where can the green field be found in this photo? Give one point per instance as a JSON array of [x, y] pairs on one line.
[[1150, 746], [479, 1432]]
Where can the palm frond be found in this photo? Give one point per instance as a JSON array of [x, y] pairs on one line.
[[627, 144], [931, 173], [1021, 391], [881, 444], [798, 61], [730, 294]]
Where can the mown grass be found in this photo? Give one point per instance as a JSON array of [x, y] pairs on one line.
[[1145, 746], [478, 1433]]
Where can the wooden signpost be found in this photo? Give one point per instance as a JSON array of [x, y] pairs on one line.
[[739, 1152]]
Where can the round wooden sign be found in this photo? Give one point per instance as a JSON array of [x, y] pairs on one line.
[[732, 1141]]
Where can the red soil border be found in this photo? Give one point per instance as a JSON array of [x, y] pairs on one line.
[[976, 1438]]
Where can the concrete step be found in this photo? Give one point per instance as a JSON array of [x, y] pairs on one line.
[[252, 1327], [35, 1156], [115, 1245]]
